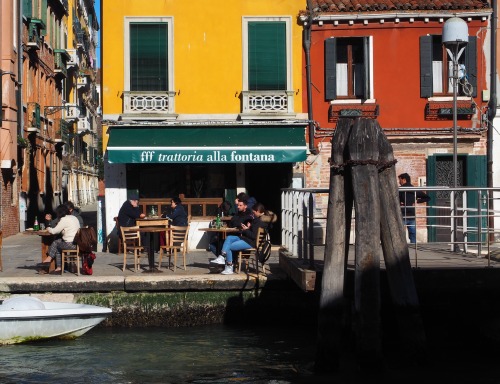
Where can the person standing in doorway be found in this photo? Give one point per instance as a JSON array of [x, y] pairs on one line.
[[407, 201]]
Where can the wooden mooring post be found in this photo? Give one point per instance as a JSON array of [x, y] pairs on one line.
[[362, 173]]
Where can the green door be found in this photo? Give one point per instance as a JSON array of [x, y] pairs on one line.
[[471, 173]]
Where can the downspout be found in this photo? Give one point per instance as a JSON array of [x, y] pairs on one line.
[[492, 105], [492, 111], [19, 94], [306, 40]]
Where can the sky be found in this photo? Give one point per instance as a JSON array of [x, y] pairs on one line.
[[97, 7]]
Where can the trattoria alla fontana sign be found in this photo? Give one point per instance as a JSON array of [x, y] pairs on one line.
[[207, 145]]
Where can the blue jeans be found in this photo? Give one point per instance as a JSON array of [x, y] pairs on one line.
[[233, 243], [412, 229]]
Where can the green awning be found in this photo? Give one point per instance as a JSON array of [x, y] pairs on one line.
[[166, 145]]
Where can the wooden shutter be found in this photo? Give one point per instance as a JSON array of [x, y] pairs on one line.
[[366, 68], [148, 57], [425, 66], [471, 63], [330, 69], [267, 64], [27, 8]]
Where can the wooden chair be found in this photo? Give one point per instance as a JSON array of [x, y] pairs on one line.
[[1, 263], [120, 241], [71, 256], [177, 242], [131, 243], [247, 253]]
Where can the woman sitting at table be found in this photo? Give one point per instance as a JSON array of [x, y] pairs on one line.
[[177, 217], [246, 240], [68, 225]]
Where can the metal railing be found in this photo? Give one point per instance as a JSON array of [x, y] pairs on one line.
[[456, 218]]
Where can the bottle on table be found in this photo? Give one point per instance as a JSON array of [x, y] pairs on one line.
[[36, 226], [217, 222]]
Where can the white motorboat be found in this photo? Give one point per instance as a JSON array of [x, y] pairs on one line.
[[27, 318]]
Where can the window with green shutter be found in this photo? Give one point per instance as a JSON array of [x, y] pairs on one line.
[[148, 57], [267, 63], [28, 8]]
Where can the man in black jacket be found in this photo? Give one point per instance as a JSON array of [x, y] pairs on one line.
[[130, 211], [407, 201]]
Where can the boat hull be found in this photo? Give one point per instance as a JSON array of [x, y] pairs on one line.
[[56, 320]]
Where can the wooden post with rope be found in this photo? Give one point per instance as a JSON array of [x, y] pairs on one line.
[[362, 172]]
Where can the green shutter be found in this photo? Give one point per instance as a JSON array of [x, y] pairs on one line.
[[27, 8], [471, 63], [267, 56], [476, 177], [330, 68], [425, 66], [43, 12], [148, 57]]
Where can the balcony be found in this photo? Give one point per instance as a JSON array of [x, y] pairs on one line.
[[149, 104], [61, 131], [267, 104], [74, 59], [71, 112], [82, 81], [34, 34], [83, 125], [61, 57], [33, 122]]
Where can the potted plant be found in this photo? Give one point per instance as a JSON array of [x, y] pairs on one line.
[[22, 142]]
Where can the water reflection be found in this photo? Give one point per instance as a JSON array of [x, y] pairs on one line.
[[212, 354]]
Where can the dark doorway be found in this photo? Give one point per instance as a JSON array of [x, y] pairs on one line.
[[264, 182]]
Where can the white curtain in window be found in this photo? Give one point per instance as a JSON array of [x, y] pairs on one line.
[[450, 80], [341, 79], [437, 77]]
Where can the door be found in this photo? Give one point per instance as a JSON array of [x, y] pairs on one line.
[[471, 172]]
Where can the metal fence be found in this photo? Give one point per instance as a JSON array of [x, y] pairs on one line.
[[465, 220]]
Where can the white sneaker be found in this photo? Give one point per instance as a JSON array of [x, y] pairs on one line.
[[219, 260], [228, 270]]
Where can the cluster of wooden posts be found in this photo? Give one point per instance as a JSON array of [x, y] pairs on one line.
[[362, 174]]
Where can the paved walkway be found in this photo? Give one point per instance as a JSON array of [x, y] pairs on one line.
[[21, 253]]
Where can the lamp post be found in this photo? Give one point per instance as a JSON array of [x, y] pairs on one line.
[[455, 39]]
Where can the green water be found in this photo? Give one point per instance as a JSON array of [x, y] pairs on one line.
[[212, 354]]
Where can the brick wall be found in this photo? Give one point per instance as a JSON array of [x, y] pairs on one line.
[[9, 208]]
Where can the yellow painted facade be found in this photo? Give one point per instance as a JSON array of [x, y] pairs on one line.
[[207, 50]]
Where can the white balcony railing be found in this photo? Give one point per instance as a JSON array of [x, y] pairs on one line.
[[154, 102], [70, 112], [74, 60], [83, 125], [268, 102]]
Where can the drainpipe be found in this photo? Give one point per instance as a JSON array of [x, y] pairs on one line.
[[306, 40], [19, 94], [492, 110], [492, 105]]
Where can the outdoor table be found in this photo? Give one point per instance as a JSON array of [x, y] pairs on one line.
[[222, 231], [150, 226], [47, 239]]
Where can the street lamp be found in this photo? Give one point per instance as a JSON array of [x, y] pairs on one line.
[[455, 39]]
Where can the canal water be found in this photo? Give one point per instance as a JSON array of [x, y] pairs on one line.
[[211, 354]]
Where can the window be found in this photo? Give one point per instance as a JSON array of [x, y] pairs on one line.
[[148, 83], [267, 64], [348, 68], [148, 57], [267, 56], [436, 67]]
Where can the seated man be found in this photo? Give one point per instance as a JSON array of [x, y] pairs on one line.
[[247, 238], [68, 225], [243, 216]]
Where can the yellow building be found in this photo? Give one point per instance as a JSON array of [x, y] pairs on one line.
[[201, 99]]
